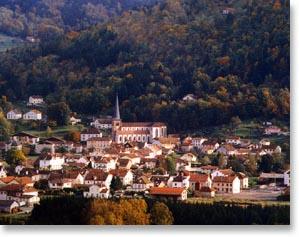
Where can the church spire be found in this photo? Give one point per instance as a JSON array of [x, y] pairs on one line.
[[117, 114]]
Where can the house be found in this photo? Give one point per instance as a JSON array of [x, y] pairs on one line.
[[99, 143], [10, 180], [141, 184], [89, 133], [227, 184], [14, 145], [243, 180], [102, 123], [124, 163], [208, 169], [228, 10], [276, 178], [265, 142], [65, 179], [227, 150], [35, 100], [209, 146], [167, 142], [22, 194], [160, 180], [186, 145], [189, 98], [271, 149], [198, 141], [104, 163], [73, 120], [25, 138], [49, 161], [189, 157], [179, 181], [3, 173], [33, 115], [98, 177], [182, 165], [9, 206], [169, 193], [14, 115], [222, 172], [197, 181], [44, 146], [287, 178], [207, 192], [234, 140], [149, 163], [96, 191], [272, 130], [126, 176]]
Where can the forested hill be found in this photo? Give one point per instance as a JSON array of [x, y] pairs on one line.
[[39, 18], [236, 64]]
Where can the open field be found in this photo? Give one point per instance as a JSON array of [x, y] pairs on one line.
[[57, 132]]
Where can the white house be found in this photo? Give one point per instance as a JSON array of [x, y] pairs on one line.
[[2, 172], [35, 100], [89, 133], [102, 123], [104, 163], [180, 181], [33, 115], [48, 161], [96, 191], [141, 184], [227, 184], [286, 178], [126, 176], [74, 120], [98, 177], [14, 115]]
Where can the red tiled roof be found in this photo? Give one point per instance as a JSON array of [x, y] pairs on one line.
[[167, 191]]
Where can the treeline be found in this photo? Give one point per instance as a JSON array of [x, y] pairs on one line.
[[235, 64], [43, 19], [67, 210]]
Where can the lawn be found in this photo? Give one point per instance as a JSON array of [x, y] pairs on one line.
[[57, 132]]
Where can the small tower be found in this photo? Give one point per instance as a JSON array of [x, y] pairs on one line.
[[116, 121]]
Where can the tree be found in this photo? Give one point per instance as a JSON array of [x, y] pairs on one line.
[[73, 136], [49, 132], [161, 215], [59, 112], [266, 163], [15, 157], [205, 160], [116, 183], [5, 127], [170, 163]]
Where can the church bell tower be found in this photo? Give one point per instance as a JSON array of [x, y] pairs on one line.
[[116, 121]]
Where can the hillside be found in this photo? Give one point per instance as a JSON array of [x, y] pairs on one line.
[[44, 18], [236, 64]]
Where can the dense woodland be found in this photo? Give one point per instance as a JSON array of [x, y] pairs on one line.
[[43, 18], [141, 212], [237, 64]]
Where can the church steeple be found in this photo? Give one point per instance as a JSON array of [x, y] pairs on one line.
[[117, 114]]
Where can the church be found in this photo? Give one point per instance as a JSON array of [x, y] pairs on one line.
[[135, 131]]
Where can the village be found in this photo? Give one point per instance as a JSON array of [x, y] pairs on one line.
[[116, 159]]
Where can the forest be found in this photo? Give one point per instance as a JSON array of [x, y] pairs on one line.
[[42, 18], [235, 64], [72, 210]]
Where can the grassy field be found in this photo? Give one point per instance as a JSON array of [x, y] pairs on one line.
[[14, 219], [7, 42], [57, 132], [236, 201]]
